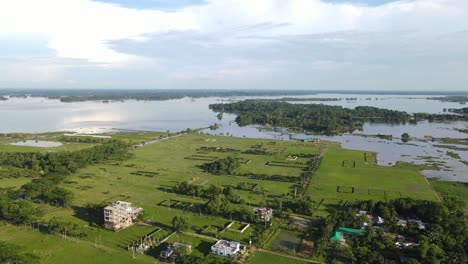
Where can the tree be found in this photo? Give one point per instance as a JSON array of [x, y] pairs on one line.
[[179, 223], [19, 212], [405, 137]]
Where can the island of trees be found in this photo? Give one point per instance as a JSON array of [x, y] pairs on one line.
[[319, 118]]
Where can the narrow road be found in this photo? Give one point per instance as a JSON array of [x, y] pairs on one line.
[[157, 140]]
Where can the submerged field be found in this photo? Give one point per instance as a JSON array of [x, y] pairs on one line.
[[147, 179]]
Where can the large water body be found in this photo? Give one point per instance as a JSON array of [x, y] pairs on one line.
[[43, 115]]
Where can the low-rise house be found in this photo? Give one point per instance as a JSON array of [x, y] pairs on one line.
[[171, 253], [263, 214], [379, 220], [226, 248], [120, 215], [342, 233]]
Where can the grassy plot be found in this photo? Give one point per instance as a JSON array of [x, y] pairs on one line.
[[52, 249], [363, 180], [266, 258], [451, 189]]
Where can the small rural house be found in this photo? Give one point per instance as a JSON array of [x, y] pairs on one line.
[[226, 248]]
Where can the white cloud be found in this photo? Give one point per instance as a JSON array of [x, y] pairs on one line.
[[85, 29], [244, 43]]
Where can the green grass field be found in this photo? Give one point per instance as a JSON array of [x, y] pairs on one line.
[[265, 258], [333, 181], [164, 165]]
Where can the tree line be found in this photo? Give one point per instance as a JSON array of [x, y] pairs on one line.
[[319, 118], [16, 205]]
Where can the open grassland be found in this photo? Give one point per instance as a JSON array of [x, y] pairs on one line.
[[266, 258], [451, 189], [345, 175], [147, 179], [53, 249]]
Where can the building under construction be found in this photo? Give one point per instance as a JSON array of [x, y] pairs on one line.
[[120, 215]]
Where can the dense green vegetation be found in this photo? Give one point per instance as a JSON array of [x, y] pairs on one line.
[[51, 168], [317, 117], [222, 166], [148, 95], [457, 190], [442, 240], [405, 137], [13, 254], [460, 111], [451, 98], [310, 117]]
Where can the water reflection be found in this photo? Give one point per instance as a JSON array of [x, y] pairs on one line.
[[41, 115]]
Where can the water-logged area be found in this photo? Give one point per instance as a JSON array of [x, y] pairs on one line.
[[37, 143], [42, 115]]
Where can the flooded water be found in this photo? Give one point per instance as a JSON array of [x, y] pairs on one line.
[[43, 115], [38, 143]]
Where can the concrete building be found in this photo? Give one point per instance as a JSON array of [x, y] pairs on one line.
[[120, 215], [263, 214], [226, 248]]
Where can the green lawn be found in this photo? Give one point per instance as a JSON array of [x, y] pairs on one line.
[[345, 175], [53, 249], [265, 258], [451, 189]]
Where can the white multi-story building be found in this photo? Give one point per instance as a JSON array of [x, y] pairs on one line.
[[226, 248], [120, 215]]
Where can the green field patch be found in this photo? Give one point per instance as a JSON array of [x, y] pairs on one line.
[[266, 258], [211, 230], [246, 186]]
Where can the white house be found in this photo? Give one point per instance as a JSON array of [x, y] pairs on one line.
[[226, 248]]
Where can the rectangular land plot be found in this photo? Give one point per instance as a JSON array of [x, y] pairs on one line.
[[403, 178]]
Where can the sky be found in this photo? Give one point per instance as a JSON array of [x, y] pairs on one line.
[[417, 45]]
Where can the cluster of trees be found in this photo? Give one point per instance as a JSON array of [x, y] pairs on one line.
[[451, 98], [147, 95], [18, 211], [81, 139], [179, 223], [443, 241], [227, 165], [64, 163], [405, 137], [55, 166], [319, 118], [460, 111], [312, 117], [10, 253], [65, 228], [439, 117], [210, 192]]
